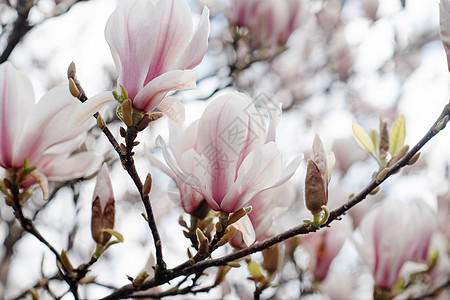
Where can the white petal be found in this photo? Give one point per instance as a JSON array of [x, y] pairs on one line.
[[153, 92], [260, 170], [244, 225], [173, 108], [195, 51], [90, 107]]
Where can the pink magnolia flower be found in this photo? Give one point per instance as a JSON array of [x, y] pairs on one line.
[[40, 132], [181, 142], [266, 208], [325, 244], [392, 234], [154, 52], [270, 22], [233, 160], [103, 207], [444, 12]]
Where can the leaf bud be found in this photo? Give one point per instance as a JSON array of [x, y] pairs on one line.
[[382, 175], [144, 122], [414, 159], [147, 185], [73, 88], [127, 112], [315, 194]]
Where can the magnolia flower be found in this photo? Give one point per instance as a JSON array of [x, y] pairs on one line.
[[270, 22], [266, 207], [154, 52], [181, 142], [444, 11], [318, 174], [40, 133], [392, 234], [103, 209], [325, 244], [233, 161]]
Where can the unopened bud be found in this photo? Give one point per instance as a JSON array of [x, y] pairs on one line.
[[144, 122], [100, 123], [398, 155], [234, 264], [155, 116], [223, 270], [71, 71], [73, 88], [127, 112], [441, 124], [229, 233], [203, 242], [414, 159], [65, 261], [384, 139], [236, 216], [147, 185], [123, 132], [315, 194], [375, 190], [139, 280], [271, 258], [382, 175], [219, 227]]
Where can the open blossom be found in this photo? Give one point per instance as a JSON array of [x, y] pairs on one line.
[[266, 207], [444, 11], [234, 161], [392, 234], [181, 142], [270, 22], [40, 132], [154, 51]]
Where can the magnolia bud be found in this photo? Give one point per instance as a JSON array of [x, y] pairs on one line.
[[315, 194], [103, 208]]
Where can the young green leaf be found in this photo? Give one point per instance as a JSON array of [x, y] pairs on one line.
[[255, 270], [363, 138], [397, 136]]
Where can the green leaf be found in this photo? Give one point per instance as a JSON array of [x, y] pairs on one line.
[[397, 136], [255, 270], [118, 236], [375, 137], [363, 138]]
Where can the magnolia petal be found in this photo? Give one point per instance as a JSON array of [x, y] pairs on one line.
[[244, 225], [260, 170], [42, 181], [131, 36], [90, 107], [16, 103], [152, 94], [59, 167], [226, 134], [158, 164], [182, 140], [175, 30], [182, 177], [197, 47], [173, 108]]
